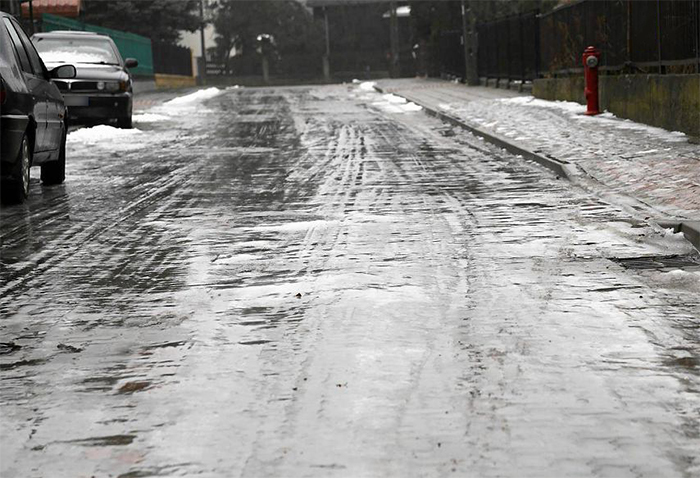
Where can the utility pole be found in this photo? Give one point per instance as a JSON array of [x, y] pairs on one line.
[[394, 39], [327, 56], [471, 74], [31, 16], [204, 46]]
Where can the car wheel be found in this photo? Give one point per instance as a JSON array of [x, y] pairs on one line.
[[16, 189], [54, 172], [124, 123]]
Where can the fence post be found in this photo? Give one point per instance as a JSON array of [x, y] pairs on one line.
[[629, 31], [471, 76], [395, 67], [522, 50], [508, 51], [538, 19], [465, 43], [327, 55], [496, 58], [658, 33], [697, 35]]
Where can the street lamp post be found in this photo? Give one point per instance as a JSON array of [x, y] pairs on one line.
[[203, 44], [31, 17]]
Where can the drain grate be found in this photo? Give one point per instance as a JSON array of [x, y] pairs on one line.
[[676, 261]]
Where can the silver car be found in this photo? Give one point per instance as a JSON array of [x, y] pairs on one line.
[[101, 92]]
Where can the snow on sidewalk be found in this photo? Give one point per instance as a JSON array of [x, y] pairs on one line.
[[658, 167]]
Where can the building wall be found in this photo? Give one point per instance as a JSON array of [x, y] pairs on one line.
[[668, 101], [193, 41]]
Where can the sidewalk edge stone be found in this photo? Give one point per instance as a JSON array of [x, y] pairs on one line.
[[560, 168], [691, 231]]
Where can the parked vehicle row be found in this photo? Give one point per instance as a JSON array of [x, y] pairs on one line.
[[46, 82]]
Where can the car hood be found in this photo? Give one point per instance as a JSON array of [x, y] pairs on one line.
[[95, 72]]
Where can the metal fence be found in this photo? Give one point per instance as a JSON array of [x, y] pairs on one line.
[[171, 59], [291, 66], [509, 47], [633, 35], [449, 50]]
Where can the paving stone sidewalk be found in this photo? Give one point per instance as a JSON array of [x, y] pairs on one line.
[[657, 167]]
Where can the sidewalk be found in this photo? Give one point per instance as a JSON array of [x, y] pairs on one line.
[[656, 169]]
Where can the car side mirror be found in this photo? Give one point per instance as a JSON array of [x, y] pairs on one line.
[[131, 63], [63, 71]]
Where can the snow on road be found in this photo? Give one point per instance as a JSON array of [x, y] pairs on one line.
[[195, 97], [108, 137]]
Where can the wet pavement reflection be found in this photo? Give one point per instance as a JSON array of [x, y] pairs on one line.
[[314, 282]]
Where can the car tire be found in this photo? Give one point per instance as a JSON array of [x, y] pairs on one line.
[[54, 172], [16, 189], [124, 123]]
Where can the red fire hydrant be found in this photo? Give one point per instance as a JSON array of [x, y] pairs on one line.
[[591, 59]]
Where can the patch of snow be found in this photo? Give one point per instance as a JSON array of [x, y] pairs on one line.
[[295, 226], [391, 98], [149, 118], [575, 111], [389, 107], [410, 106], [569, 106], [679, 272], [102, 134], [367, 86], [195, 97]]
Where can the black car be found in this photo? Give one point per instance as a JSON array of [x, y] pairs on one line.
[[32, 114], [101, 91]]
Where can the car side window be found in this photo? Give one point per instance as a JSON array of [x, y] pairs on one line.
[[34, 59], [19, 48], [117, 53]]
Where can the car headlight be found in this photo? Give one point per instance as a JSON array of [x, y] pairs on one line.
[[124, 85], [112, 85]]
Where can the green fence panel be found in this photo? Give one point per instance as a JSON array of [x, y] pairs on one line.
[[130, 45]]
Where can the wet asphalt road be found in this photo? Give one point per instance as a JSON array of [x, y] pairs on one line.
[[318, 282]]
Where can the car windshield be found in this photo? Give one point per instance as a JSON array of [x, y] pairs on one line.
[[76, 50]]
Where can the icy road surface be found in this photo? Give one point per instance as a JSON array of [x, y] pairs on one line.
[[325, 282]]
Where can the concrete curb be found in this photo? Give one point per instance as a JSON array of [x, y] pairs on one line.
[[690, 229], [561, 168], [143, 85]]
